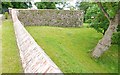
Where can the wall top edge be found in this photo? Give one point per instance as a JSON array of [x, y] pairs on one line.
[[45, 10]]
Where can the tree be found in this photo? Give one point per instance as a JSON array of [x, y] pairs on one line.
[[5, 6], [45, 5], [111, 12], [97, 20], [85, 5], [20, 5]]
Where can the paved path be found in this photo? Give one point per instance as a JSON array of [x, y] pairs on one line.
[[0, 43]]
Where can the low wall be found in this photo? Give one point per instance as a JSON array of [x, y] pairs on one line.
[[51, 17], [33, 57]]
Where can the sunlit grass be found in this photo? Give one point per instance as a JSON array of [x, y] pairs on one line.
[[70, 49], [0, 46], [10, 54]]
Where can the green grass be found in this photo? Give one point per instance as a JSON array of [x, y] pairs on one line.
[[0, 48], [10, 54], [70, 49]]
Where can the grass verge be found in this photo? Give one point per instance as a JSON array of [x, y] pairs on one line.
[[0, 44], [10, 54], [70, 49]]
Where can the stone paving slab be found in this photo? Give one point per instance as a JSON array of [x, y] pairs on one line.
[[33, 57]]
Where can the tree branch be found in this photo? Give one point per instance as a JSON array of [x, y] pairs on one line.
[[103, 10]]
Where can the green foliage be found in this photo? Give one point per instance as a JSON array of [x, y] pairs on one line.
[[14, 5], [111, 8], [96, 18], [19, 5], [6, 5], [6, 15], [115, 38], [118, 28], [0, 8], [91, 12], [84, 6], [45, 5]]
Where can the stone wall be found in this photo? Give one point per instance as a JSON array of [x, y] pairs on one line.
[[50, 17], [33, 57]]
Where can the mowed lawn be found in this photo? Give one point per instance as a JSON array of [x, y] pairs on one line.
[[10, 54], [0, 46], [70, 49]]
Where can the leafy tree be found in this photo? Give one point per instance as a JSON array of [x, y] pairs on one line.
[[84, 6], [19, 5], [45, 5], [22, 5], [6, 4], [95, 17], [110, 11], [14, 5], [104, 18], [97, 20]]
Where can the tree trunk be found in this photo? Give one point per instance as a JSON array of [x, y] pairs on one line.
[[105, 42]]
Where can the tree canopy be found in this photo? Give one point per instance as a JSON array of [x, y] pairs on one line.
[[95, 17], [45, 5], [20, 5]]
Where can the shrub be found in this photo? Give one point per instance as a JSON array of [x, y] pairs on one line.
[[115, 38], [6, 15]]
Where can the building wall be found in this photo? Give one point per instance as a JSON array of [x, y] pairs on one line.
[[51, 17]]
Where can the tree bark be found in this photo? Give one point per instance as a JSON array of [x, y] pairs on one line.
[[105, 42]]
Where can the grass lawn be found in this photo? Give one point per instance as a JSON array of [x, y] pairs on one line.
[[70, 49], [10, 54], [0, 47]]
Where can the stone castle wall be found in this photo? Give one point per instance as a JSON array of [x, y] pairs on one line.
[[51, 17]]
